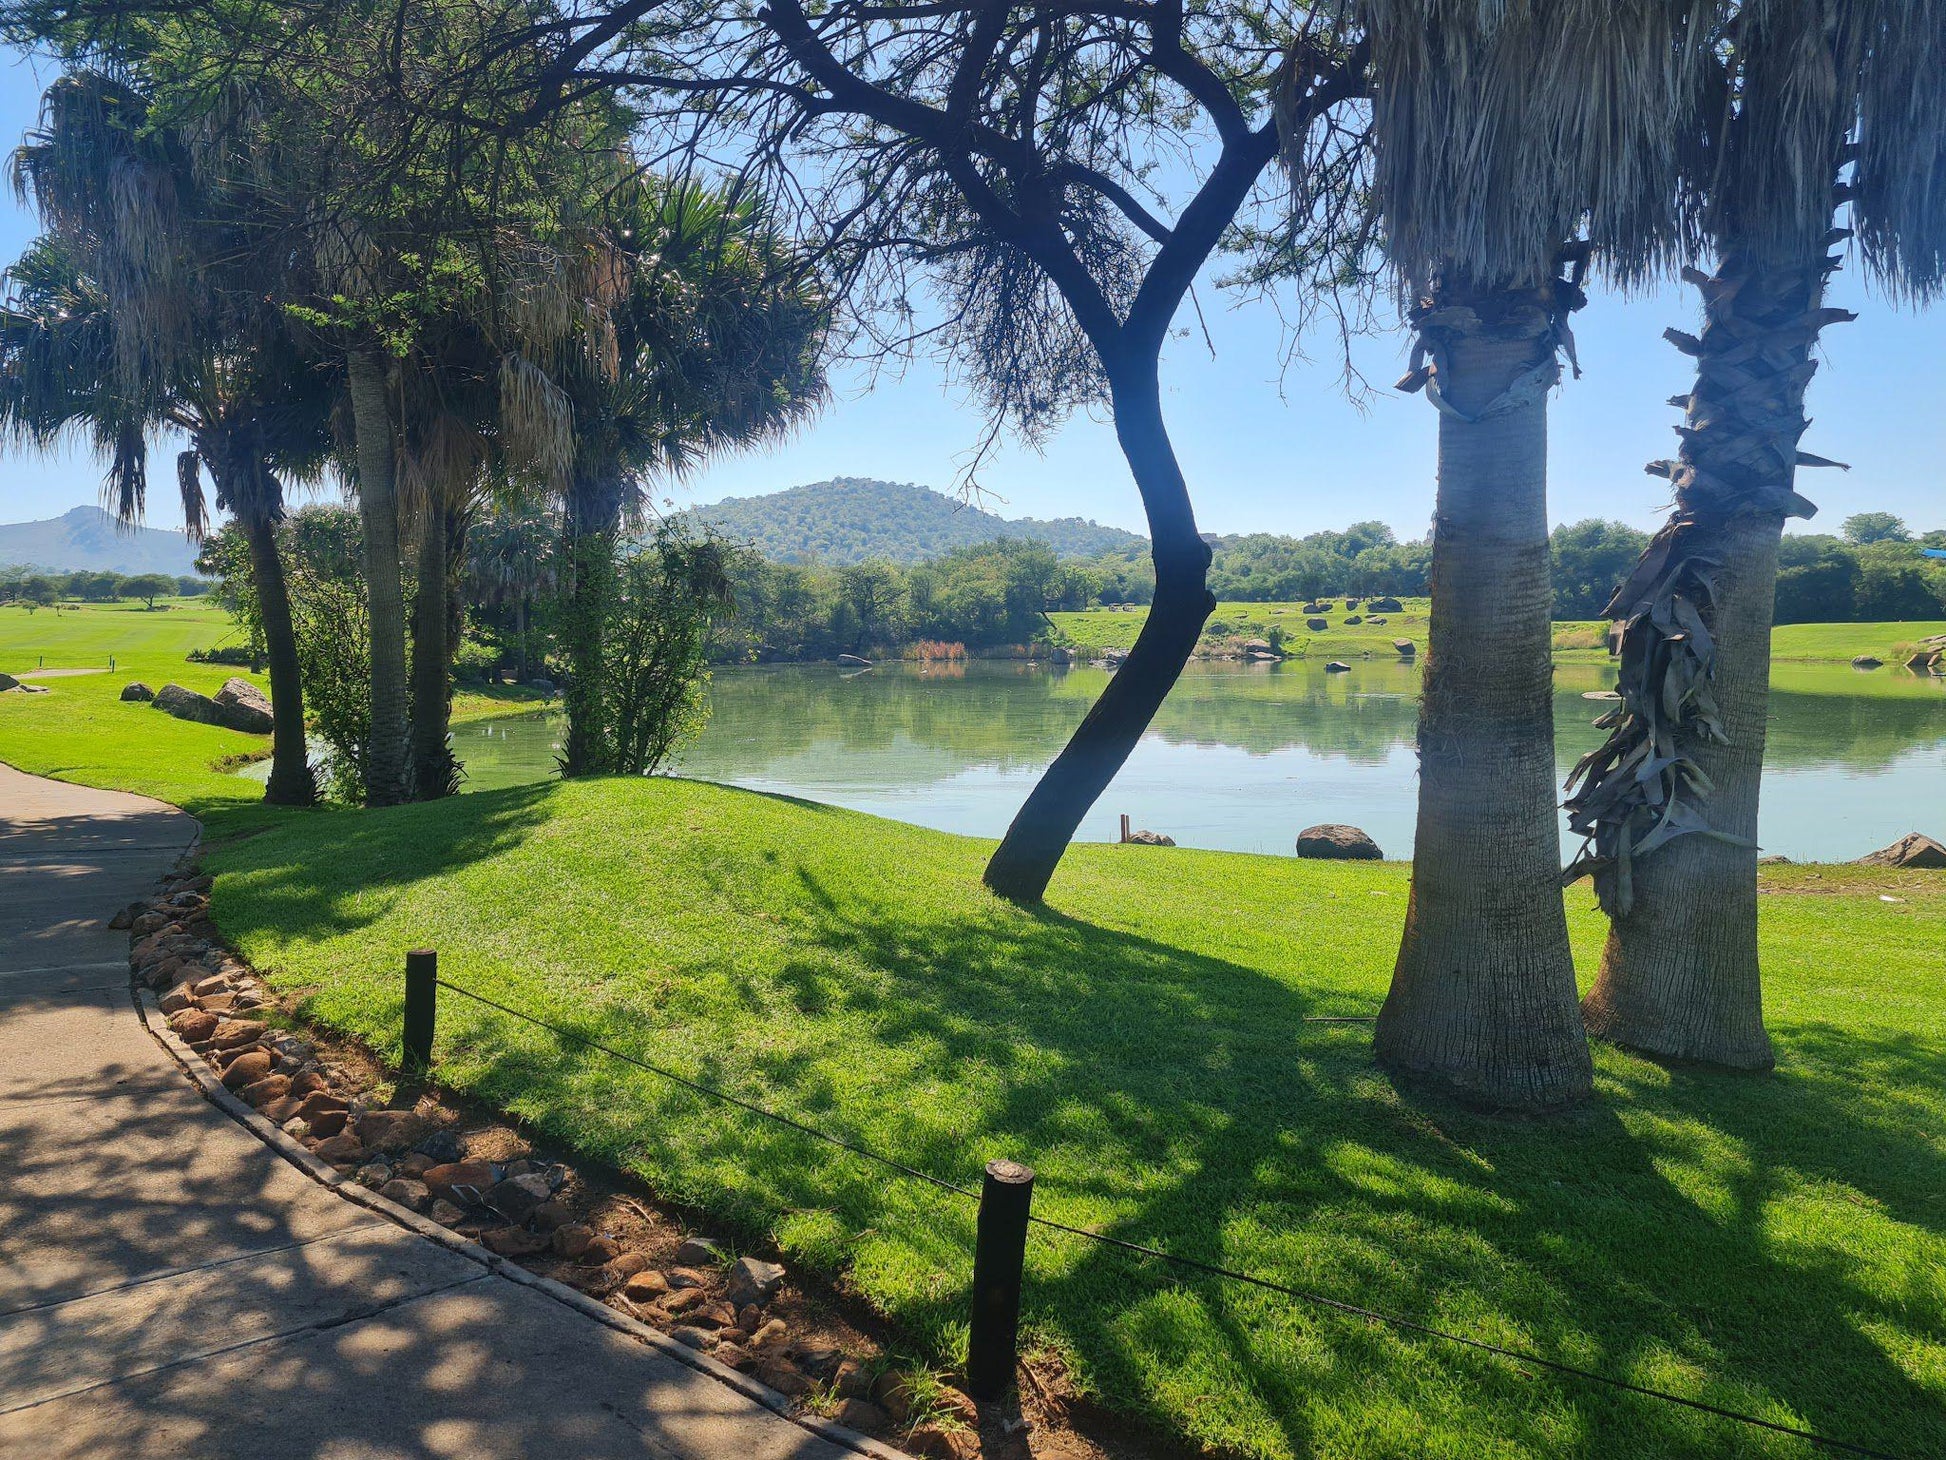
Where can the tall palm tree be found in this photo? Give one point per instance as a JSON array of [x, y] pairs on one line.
[[1502, 132], [143, 310], [714, 347], [1801, 90]]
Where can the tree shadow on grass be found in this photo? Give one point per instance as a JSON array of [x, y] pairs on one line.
[[1763, 1244]]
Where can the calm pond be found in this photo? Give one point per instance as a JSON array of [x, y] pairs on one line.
[[1241, 757]]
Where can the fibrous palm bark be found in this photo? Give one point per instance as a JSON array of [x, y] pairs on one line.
[[435, 772], [386, 759], [1483, 994], [589, 530], [1670, 801]]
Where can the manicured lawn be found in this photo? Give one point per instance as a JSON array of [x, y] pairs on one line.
[[1776, 1245], [1106, 628], [80, 730]]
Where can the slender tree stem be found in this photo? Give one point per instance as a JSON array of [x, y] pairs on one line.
[[291, 782], [386, 755]]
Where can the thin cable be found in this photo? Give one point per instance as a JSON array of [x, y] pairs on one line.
[[715, 1094], [1370, 1315]]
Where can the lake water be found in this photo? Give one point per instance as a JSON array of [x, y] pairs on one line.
[[1241, 757]]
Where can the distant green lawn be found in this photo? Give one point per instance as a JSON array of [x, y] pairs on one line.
[[1776, 1245], [1115, 628], [81, 730]]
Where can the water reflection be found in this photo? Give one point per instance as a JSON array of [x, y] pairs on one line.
[[1240, 757]]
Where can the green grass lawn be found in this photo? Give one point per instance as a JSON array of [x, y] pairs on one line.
[[1775, 1245], [81, 730], [1110, 628]]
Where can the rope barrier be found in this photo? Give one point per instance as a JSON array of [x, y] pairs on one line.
[[1337, 1305]]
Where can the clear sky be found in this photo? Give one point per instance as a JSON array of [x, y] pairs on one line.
[[1270, 448]]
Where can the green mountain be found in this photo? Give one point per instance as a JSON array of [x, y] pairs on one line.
[[850, 519], [88, 537]]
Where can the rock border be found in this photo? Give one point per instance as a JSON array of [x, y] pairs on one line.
[[210, 1086]]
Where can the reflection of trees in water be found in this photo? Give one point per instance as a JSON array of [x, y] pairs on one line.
[[1016, 716]]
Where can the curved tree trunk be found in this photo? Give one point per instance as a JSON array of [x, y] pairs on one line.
[[592, 521], [1027, 856], [434, 771], [291, 782], [1680, 976], [1483, 995], [386, 754]]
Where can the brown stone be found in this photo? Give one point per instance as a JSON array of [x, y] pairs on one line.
[[465, 1181], [860, 1414], [936, 1442], [752, 1280], [407, 1193], [235, 1033], [693, 1337], [218, 1003], [599, 1251], [193, 1025], [392, 1130], [282, 1109], [416, 1163], [685, 1300], [341, 1150], [447, 1214], [739, 1359], [644, 1285], [572, 1240], [517, 1197], [246, 1069], [151, 922], [214, 984], [782, 1377], [308, 1082], [513, 1241], [549, 1215], [852, 1380], [176, 1000], [266, 1090], [627, 1264], [1914, 849], [775, 1331]]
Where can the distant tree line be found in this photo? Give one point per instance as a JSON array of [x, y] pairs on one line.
[[36, 589]]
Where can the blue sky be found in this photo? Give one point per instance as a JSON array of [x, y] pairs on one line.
[[1271, 448]]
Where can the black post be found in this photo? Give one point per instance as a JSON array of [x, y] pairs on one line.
[[999, 1253], [421, 1004]]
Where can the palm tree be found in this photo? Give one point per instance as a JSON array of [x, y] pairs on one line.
[[1801, 90], [714, 347], [1501, 133], [510, 565], [143, 310]]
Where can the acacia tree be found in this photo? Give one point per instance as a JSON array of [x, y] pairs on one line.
[[145, 309], [1511, 142], [1002, 153], [1812, 105]]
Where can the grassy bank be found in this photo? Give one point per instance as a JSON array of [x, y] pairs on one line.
[[1773, 1245], [1114, 628], [81, 730]]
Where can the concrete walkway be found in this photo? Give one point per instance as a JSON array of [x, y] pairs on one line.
[[170, 1287]]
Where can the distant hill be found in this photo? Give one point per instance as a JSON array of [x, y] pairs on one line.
[[87, 537], [850, 519]]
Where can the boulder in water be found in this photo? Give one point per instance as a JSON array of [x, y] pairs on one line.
[[1337, 666], [244, 707], [1866, 661], [1336, 843], [1405, 647]]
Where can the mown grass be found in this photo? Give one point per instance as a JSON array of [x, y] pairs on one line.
[[1574, 642], [81, 730], [1772, 1244], [1096, 629]]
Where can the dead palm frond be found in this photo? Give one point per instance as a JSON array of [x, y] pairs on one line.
[[1504, 127]]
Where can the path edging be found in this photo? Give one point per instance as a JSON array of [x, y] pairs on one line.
[[212, 1090]]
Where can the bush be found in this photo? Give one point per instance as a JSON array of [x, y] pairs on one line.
[[655, 672], [475, 662]]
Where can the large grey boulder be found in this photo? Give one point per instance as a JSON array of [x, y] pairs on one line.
[[1334, 843], [186, 704], [137, 692], [1385, 605], [244, 707]]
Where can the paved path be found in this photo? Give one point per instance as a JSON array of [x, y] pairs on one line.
[[170, 1287]]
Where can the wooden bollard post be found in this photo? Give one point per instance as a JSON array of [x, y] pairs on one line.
[[421, 1008], [999, 1255], [1124, 826]]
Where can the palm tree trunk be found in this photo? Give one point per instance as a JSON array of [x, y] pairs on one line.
[[1025, 860], [291, 782], [386, 763], [1482, 1001], [434, 771], [592, 520], [1680, 975]]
